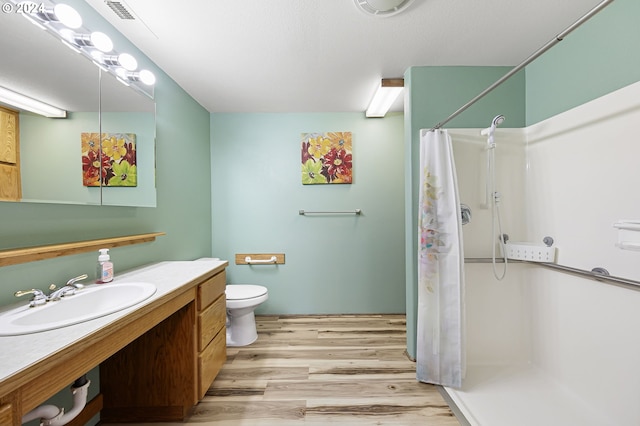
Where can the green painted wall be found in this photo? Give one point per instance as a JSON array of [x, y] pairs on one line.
[[334, 264], [183, 202], [595, 59], [433, 93]]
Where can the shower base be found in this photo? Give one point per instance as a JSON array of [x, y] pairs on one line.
[[518, 395]]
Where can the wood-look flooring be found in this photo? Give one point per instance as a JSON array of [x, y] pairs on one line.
[[318, 370]]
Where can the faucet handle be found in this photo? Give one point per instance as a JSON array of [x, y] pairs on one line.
[[73, 281], [38, 296]]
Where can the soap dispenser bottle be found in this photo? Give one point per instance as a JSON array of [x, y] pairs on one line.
[[104, 273]]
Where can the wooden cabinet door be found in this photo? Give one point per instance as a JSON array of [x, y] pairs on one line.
[[6, 415], [10, 187]]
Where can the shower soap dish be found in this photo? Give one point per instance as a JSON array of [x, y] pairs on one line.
[[628, 234], [531, 252]]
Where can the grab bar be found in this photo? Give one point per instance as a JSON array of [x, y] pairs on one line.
[[630, 225], [606, 279], [251, 261], [357, 212]]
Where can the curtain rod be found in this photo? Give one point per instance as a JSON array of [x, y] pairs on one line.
[[526, 62]]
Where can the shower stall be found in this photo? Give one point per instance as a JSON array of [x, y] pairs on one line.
[[553, 343]]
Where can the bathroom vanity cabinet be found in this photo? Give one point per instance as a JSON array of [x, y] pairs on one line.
[[163, 373], [156, 361]]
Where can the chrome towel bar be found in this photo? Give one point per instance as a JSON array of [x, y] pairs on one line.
[[357, 212]]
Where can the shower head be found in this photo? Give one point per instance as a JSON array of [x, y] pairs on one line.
[[498, 120]]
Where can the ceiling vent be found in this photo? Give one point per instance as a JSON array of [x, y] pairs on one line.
[[119, 9]]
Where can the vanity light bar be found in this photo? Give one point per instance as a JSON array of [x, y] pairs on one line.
[[21, 101], [65, 23]]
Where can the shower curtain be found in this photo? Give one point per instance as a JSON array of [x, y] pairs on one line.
[[440, 354]]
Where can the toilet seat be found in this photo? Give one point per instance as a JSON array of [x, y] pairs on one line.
[[244, 291]]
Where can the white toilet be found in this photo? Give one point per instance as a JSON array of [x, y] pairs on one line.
[[242, 300]]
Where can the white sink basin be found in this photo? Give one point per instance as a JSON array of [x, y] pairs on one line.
[[89, 303]]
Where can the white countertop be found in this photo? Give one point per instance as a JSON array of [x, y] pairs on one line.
[[19, 352]]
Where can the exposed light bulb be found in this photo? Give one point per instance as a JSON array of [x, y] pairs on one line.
[[127, 61], [122, 73], [147, 77], [67, 15], [123, 60], [101, 41]]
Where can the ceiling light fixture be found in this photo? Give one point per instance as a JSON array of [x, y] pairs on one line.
[[386, 94], [382, 8], [21, 101]]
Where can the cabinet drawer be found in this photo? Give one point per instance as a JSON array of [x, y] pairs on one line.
[[209, 290], [210, 362], [211, 321]]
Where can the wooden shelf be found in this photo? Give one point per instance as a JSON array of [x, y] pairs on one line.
[[31, 254]]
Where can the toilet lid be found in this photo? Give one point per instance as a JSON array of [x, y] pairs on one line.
[[244, 291]]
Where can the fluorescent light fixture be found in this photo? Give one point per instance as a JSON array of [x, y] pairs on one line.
[[24, 102], [385, 96]]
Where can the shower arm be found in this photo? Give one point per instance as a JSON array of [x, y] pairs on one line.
[[526, 62]]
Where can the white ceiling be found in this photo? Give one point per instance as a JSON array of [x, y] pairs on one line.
[[327, 55]]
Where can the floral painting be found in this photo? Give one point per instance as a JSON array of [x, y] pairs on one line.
[[110, 163], [326, 158]]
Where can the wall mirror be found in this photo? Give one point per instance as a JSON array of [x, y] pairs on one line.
[[50, 150]]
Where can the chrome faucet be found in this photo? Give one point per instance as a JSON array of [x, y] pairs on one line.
[[39, 297], [68, 289]]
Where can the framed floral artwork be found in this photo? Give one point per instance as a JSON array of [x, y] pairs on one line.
[[109, 159], [327, 158]]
